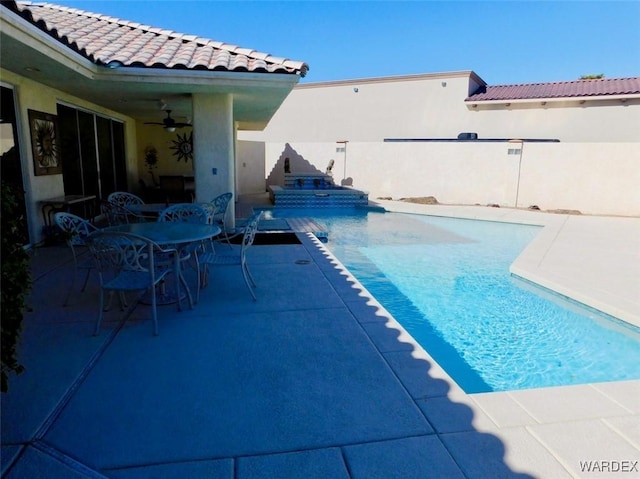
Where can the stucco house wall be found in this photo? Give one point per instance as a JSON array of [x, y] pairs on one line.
[[32, 95]]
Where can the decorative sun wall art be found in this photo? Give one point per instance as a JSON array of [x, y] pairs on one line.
[[183, 147], [44, 143]]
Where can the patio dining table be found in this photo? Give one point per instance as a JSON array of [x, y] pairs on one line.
[[148, 209], [169, 233]]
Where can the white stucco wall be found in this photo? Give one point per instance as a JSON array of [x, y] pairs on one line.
[[595, 168], [593, 178], [433, 106], [250, 168], [412, 106]]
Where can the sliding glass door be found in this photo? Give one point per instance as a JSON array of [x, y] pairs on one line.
[[93, 153]]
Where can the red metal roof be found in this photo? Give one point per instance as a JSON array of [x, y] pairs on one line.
[[567, 89], [103, 40]]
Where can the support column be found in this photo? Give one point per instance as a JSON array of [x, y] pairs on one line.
[[214, 148]]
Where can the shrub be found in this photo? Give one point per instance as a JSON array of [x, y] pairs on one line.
[[15, 283]]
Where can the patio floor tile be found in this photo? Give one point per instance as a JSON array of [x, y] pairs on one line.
[[447, 416], [53, 358], [317, 464], [626, 393], [220, 469], [416, 375], [503, 410], [407, 458], [578, 442], [232, 391], [566, 403], [481, 455], [36, 464]]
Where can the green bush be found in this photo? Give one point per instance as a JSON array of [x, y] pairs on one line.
[[15, 283]]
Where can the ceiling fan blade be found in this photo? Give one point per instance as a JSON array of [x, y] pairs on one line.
[[168, 122]]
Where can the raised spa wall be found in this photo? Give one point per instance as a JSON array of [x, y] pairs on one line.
[[315, 190]]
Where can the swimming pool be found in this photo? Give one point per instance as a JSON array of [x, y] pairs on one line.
[[447, 282]]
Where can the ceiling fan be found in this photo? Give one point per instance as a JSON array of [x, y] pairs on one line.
[[168, 123]]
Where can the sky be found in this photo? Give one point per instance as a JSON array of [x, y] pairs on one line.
[[503, 41]]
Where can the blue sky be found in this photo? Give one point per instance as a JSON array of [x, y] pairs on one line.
[[505, 42]]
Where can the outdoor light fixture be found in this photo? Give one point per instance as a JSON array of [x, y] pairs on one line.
[[355, 89], [170, 128]]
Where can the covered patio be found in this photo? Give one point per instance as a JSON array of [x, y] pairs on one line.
[[128, 78]]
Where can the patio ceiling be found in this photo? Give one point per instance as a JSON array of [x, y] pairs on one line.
[[136, 91]]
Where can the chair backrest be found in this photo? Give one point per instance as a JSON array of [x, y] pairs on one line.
[[117, 252], [115, 214], [76, 229], [185, 213], [122, 198], [211, 211], [221, 204], [249, 234]]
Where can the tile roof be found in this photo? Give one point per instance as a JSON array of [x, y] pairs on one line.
[[567, 89], [104, 39]]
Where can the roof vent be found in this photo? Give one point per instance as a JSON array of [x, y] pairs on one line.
[[468, 136]]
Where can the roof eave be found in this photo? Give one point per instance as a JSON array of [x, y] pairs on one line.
[[28, 34], [231, 79], [578, 99]]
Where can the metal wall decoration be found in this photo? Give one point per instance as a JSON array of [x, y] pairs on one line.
[[183, 147], [44, 143]]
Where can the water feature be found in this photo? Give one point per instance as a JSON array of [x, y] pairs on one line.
[[315, 190]]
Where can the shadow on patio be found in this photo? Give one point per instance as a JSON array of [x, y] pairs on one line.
[[311, 380]]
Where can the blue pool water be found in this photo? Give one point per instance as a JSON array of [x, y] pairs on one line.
[[447, 282]]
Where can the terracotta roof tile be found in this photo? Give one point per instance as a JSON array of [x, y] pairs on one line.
[[104, 39], [567, 89]]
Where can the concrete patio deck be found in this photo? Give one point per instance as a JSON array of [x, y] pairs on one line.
[[313, 380]]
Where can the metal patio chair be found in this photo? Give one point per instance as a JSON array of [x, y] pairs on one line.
[[127, 262], [220, 208], [189, 213], [119, 215], [122, 198], [211, 258], [76, 230]]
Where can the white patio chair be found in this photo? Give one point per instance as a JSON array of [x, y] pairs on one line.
[[122, 198], [127, 262], [211, 258], [76, 230], [219, 214], [116, 214], [189, 213]]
